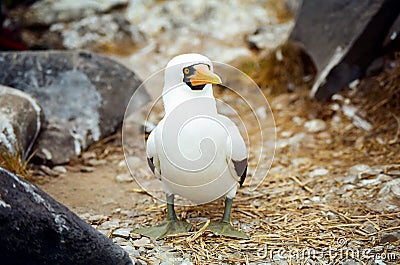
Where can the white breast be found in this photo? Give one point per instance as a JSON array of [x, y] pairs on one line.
[[193, 158]]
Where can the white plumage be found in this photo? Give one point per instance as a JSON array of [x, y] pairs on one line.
[[194, 149]]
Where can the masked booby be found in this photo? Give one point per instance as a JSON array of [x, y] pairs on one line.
[[196, 152]]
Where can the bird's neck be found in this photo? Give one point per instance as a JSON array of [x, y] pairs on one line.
[[175, 97]]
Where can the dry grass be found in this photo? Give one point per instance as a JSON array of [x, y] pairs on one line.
[[285, 69], [15, 163], [280, 221], [379, 101], [281, 10]]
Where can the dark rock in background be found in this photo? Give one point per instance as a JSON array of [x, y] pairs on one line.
[[20, 120], [83, 96], [392, 40], [36, 229], [342, 37]]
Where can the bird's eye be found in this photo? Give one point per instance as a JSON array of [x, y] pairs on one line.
[[186, 70]]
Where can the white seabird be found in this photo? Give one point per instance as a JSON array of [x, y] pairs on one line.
[[196, 152]]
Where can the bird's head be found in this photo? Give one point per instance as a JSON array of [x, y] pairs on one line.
[[194, 70], [188, 76]]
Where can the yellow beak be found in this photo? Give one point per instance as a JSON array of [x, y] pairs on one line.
[[204, 76]]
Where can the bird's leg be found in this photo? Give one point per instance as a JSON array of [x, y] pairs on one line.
[[171, 215], [171, 226], [224, 227]]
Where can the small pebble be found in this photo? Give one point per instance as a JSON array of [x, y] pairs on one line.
[[96, 162], [124, 178], [390, 237], [97, 217], [298, 120], [370, 182], [109, 224], [48, 171], [144, 241], [122, 232], [86, 169], [286, 134], [314, 126], [357, 169], [60, 169], [131, 251], [319, 172], [104, 231], [370, 228], [121, 241], [301, 161], [142, 251]]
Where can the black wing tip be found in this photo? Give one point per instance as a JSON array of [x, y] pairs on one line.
[[151, 164], [241, 169]]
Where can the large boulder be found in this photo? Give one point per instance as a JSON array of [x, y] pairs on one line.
[[342, 37], [83, 96], [20, 121], [36, 229]]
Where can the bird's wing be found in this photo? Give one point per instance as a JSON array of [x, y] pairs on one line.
[[236, 151], [152, 156]]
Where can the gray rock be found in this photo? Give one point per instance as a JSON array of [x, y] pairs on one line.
[[122, 232], [388, 198], [109, 224], [96, 162], [358, 169], [60, 169], [36, 229], [269, 37], [131, 251], [20, 120], [144, 241], [83, 96], [48, 171], [390, 237], [47, 12], [98, 32], [342, 53], [370, 228]]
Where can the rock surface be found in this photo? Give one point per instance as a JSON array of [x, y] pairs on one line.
[[47, 12], [20, 120], [100, 32], [36, 229], [217, 29], [342, 53], [388, 198], [83, 96]]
